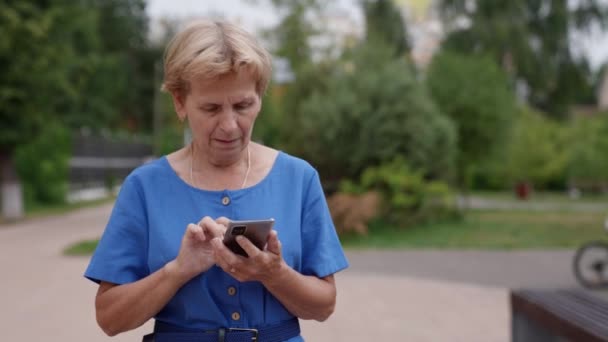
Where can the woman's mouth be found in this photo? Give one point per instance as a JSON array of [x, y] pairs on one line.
[[227, 142]]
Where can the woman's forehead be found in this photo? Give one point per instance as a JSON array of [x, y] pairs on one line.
[[233, 86]]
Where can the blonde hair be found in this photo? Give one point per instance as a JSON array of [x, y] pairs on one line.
[[211, 49]]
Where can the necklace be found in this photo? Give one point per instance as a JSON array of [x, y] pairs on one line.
[[246, 173]]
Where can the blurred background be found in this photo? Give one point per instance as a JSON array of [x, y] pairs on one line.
[[446, 117], [468, 125]]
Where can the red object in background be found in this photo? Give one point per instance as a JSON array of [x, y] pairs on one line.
[[523, 190]]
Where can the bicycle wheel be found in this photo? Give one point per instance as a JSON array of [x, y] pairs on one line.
[[591, 265]]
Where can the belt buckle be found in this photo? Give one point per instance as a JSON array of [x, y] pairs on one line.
[[253, 331]]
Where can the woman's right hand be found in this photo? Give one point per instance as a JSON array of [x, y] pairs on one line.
[[196, 252]]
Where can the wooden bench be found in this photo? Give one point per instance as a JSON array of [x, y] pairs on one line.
[[558, 315]]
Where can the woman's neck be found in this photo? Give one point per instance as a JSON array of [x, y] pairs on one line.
[[205, 173]]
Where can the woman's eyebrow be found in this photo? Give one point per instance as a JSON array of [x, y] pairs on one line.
[[246, 99]]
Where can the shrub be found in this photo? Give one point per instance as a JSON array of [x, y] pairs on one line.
[[408, 198], [42, 165], [352, 212]]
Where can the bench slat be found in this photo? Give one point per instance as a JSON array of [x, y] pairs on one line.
[[569, 313], [575, 311]]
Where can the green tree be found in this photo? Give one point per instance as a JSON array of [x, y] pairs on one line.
[[37, 68], [123, 34], [384, 23], [291, 37], [531, 40], [587, 165], [371, 109], [538, 151], [55, 67], [290, 41], [474, 93]]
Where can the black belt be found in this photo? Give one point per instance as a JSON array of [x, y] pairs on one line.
[[165, 332]]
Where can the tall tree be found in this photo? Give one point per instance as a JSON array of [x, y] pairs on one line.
[[290, 41], [532, 40], [36, 57], [56, 65], [474, 93], [384, 24]]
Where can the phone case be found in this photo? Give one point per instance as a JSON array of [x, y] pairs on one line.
[[255, 230]]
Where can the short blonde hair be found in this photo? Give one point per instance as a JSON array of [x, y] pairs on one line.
[[211, 49]]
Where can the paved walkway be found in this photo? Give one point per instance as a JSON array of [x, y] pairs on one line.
[[385, 296]]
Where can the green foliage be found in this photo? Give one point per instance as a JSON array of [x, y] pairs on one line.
[[538, 151], [42, 165], [62, 61], [268, 124], [291, 37], [370, 109], [532, 40], [588, 162], [384, 23], [86, 247], [474, 93], [409, 197]]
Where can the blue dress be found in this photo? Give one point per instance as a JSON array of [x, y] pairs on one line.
[[154, 207]]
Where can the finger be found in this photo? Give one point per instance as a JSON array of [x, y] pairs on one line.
[[195, 232], [251, 250], [222, 252], [219, 258], [224, 258], [274, 244], [224, 221], [211, 227]]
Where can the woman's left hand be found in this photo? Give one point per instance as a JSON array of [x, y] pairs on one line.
[[261, 265]]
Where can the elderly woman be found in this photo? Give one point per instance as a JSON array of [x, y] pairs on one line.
[[152, 261]]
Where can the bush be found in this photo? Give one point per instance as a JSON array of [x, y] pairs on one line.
[[370, 109], [42, 165], [408, 198], [351, 212]]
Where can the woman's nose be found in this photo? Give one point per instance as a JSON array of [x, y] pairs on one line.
[[228, 121]]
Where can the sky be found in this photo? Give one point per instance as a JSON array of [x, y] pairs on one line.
[[256, 17]]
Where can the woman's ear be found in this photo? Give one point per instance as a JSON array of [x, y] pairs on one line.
[[179, 103]]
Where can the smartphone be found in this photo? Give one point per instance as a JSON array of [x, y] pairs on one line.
[[255, 230]]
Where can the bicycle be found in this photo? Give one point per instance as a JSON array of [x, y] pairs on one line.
[[590, 263]]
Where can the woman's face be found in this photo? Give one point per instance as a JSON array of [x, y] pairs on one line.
[[221, 114]]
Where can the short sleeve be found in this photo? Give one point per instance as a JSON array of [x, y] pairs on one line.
[[322, 253], [121, 254]]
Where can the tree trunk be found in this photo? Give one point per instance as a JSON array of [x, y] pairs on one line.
[[11, 194]]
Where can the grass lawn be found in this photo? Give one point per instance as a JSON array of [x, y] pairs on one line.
[[515, 229], [86, 247], [553, 197], [478, 230]]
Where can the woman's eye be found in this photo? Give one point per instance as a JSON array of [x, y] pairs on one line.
[[242, 106], [210, 109]]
